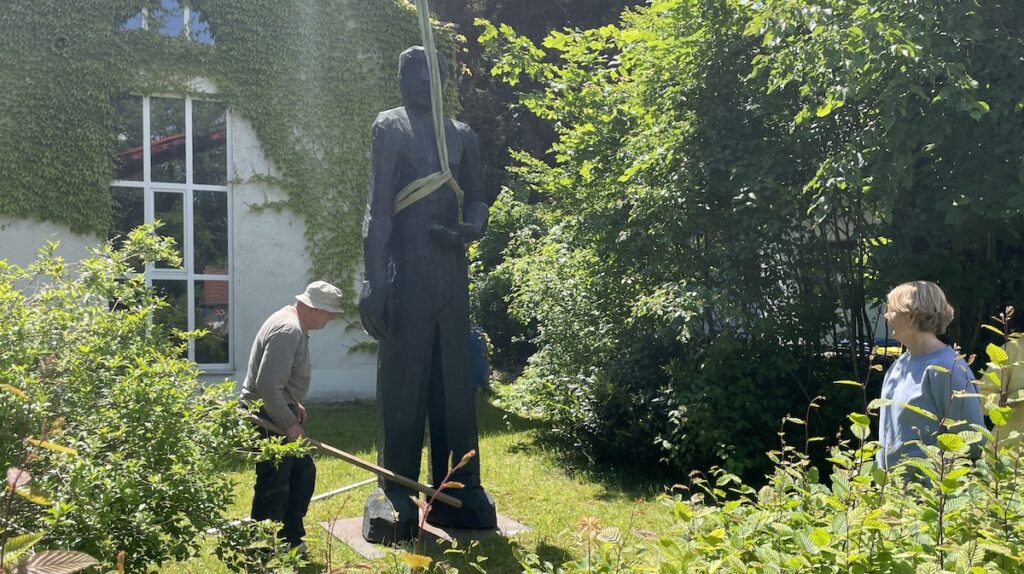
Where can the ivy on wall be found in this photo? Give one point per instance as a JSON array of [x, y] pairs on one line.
[[309, 75]]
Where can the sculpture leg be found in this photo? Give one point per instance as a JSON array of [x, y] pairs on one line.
[[403, 372], [453, 425]]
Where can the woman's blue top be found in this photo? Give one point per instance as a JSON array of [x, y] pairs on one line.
[[909, 381]]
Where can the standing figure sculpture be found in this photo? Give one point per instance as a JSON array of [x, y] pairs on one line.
[[415, 302]]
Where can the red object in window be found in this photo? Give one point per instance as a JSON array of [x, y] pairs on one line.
[[165, 149]]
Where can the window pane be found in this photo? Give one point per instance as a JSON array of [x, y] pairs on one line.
[[133, 23], [175, 292], [128, 213], [170, 18], [168, 207], [167, 139], [198, 29], [128, 159], [209, 143], [210, 232], [212, 315]]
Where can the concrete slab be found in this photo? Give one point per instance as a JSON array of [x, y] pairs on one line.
[[350, 531]]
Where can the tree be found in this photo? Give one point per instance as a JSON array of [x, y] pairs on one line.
[[733, 185]]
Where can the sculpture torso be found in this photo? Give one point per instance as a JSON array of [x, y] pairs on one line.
[[434, 271]]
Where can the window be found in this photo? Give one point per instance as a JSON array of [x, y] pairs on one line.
[[172, 166], [173, 18]]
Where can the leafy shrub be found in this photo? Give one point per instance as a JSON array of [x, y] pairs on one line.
[[491, 281], [942, 513], [92, 371], [252, 547]]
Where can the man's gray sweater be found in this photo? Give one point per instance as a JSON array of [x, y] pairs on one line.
[[279, 367]]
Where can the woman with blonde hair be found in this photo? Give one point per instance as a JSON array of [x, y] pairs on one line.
[[928, 376]]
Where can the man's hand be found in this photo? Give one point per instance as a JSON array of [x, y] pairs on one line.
[[300, 411], [373, 310], [294, 432]]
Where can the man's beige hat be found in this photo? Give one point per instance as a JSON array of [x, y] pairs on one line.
[[322, 295]]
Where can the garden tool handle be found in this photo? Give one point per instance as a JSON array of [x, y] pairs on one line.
[[365, 465]]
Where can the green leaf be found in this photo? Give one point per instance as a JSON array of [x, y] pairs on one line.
[[53, 446], [820, 537], [17, 546], [997, 354], [847, 382], [860, 419], [879, 403], [950, 442], [994, 330], [860, 431], [33, 496], [920, 411], [1000, 415], [15, 391]]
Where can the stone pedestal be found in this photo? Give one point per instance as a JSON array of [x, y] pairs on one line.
[[349, 531], [390, 516]]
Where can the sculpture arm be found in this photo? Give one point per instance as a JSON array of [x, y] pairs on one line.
[[377, 231], [471, 179]]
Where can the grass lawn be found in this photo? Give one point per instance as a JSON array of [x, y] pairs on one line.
[[526, 480]]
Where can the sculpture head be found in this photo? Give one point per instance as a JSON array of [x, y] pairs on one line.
[[414, 78]]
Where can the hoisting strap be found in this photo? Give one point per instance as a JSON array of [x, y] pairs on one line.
[[424, 186]]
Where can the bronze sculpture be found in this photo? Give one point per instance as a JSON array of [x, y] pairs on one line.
[[415, 302]]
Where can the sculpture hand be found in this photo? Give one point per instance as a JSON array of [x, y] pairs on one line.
[[456, 237], [446, 235], [470, 232], [372, 310]]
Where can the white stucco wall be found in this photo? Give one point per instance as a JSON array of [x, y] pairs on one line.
[[20, 239], [270, 266]]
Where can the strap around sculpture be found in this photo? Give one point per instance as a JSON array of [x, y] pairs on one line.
[[424, 186]]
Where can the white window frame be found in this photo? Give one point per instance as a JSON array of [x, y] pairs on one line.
[[187, 272]]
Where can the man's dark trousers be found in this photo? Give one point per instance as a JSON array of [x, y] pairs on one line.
[[282, 493]]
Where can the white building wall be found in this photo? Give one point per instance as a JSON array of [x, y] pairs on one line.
[[20, 239], [270, 266]]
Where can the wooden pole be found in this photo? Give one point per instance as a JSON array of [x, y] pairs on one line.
[[354, 460]]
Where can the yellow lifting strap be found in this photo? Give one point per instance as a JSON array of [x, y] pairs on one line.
[[424, 186]]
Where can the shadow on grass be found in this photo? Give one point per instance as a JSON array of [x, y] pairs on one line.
[[553, 554], [620, 478], [495, 421], [501, 555]]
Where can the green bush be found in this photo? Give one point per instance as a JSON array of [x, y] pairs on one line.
[[491, 280], [84, 366], [943, 513], [252, 547]]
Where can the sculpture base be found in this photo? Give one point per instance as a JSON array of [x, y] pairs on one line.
[[477, 512], [349, 532], [390, 517]]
